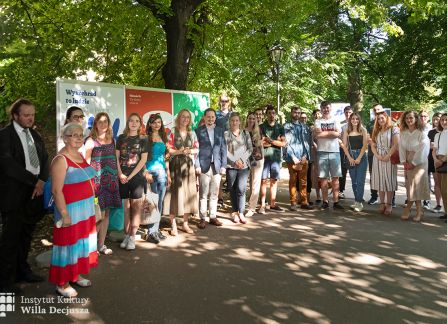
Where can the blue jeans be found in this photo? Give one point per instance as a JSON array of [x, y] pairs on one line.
[[159, 187], [358, 175], [237, 183]]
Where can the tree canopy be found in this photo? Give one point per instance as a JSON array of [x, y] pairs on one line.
[[355, 51]]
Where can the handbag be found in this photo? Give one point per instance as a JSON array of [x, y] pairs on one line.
[[394, 158], [345, 163], [443, 167], [48, 199], [150, 213]]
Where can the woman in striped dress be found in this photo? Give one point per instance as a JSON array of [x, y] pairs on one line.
[[74, 243], [385, 141]]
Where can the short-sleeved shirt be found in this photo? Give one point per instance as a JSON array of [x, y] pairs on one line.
[[131, 148], [328, 144], [440, 143], [277, 130]]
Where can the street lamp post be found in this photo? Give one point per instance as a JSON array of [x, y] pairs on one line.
[[276, 53]]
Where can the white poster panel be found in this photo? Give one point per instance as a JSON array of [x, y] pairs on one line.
[[92, 98]]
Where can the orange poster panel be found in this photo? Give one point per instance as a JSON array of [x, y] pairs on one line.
[[147, 102]]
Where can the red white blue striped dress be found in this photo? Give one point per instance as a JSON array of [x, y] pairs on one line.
[[74, 247]]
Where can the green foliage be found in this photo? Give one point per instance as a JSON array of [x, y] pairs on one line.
[[394, 50]]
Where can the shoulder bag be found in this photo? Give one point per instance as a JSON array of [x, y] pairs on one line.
[[346, 164], [443, 167], [394, 158]]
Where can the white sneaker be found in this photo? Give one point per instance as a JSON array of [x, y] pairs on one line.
[[353, 206], [131, 243], [123, 244], [249, 213], [359, 207], [261, 210]]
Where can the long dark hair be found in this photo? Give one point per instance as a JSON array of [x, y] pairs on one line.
[[161, 133]]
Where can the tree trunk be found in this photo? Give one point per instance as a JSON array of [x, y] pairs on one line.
[[179, 43], [355, 93]]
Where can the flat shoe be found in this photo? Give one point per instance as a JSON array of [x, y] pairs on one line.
[[83, 282], [66, 292], [187, 230]]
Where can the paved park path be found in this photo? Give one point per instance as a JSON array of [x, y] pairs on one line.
[[291, 267]]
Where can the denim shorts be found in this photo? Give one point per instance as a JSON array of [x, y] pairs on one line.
[[271, 169], [329, 164]]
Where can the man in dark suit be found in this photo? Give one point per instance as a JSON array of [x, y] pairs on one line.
[[210, 164], [23, 172]]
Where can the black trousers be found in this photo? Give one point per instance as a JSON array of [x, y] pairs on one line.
[[344, 172], [370, 165], [17, 232]]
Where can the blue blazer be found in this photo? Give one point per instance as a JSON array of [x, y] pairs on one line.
[[218, 151]]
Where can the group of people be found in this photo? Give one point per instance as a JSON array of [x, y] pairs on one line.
[[186, 169]]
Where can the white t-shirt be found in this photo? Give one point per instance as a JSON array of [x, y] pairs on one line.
[[328, 144], [442, 147]]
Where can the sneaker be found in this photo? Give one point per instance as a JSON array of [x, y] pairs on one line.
[[359, 207], [325, 205], [293, 207], [220, 203], [338, 206], [161, 236], [249, 213], [393, 204], [427, 204], [443, 216], [437, 209], [123, 244], [105, 250], [153, 238], [341, 195], [261, 211], [131, 243], [276, 208], [318, 201], [353, 206], [373, 201], [307, 207]]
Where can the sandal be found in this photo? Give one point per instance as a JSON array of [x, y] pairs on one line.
[[382, 208], [83, 282], [66, 292], [242, 218], [187, 229], [105, 250], [388, 210]]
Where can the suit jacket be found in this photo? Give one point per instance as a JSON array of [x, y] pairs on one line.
[[16, 183], [218, 151]]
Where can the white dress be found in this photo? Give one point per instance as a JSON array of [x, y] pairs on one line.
[[414, 147]]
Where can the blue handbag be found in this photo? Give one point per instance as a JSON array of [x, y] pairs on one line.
[[48, 199]]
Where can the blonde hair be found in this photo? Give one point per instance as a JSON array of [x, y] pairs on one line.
[[177, 119]]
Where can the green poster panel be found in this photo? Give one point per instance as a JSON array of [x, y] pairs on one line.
[[196, 103]]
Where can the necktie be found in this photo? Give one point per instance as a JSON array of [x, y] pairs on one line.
[[33, 158]]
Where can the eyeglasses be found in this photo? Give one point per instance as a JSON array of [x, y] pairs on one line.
[[78, 116], [77, 136]]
